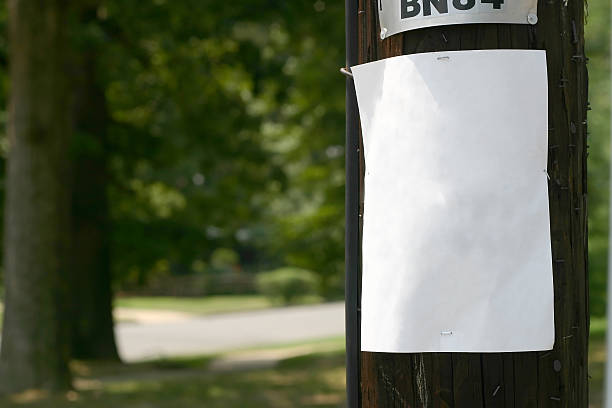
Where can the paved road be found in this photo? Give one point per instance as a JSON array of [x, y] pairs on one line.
[[212, 334]]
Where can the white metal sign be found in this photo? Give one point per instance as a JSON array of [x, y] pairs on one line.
[[456, 231], [403, 15]]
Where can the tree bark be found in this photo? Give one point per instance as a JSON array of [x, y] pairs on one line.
[[92, 323], [535, 379], [35, 339]]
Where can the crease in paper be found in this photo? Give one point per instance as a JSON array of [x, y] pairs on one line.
[[456, 233]]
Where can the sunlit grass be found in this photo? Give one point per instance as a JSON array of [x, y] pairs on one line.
[[597, 361], [312, 380], [204, 305]]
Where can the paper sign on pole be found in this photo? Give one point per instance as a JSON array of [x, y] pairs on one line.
[[456, 232], [403, 15]]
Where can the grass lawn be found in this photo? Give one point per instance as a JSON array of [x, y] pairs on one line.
[[597, 361], [313, 379], [203, 305]]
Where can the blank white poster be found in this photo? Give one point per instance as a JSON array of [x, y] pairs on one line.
[[456, 232]]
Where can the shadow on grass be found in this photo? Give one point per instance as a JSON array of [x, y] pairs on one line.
[[314, 380]]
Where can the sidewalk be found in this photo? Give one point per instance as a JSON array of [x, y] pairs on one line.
[[144, 335]]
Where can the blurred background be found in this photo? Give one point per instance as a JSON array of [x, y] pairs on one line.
[[208, 197]]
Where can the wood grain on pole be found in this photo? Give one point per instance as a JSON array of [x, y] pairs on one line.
[[556, 378]]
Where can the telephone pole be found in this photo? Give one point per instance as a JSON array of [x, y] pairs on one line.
[[556, 378]]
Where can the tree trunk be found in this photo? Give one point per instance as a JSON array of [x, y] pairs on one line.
[[35, 339], [535, 379], [92, 324]]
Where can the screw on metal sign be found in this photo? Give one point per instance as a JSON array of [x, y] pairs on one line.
[[403, 15]]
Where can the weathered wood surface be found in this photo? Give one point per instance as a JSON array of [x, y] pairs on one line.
[[557, 378]]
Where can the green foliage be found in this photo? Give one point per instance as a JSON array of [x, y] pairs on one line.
[[200, 305], [224, 259], [227, 132], [598, 50], [186, 154], [287, 284]]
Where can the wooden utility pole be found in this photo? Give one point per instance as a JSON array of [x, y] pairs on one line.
[[556, 378]]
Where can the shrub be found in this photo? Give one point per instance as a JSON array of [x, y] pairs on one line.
[[287, 284], [224, 259]]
